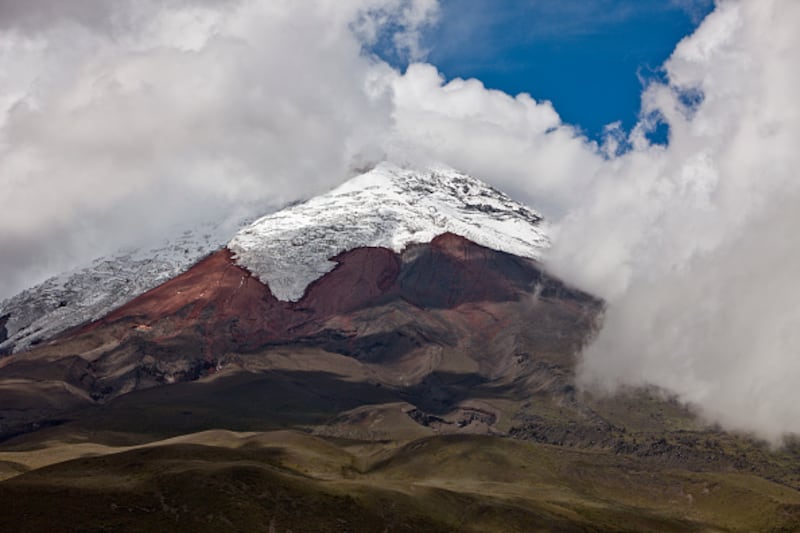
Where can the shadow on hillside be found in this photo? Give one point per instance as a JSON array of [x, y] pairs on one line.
[[268, 400]]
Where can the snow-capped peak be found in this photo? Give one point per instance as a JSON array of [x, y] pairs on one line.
[[390, 207]]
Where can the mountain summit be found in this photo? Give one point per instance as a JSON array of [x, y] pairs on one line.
[[388, 207]]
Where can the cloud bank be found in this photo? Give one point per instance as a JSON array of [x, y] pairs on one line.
[[115, 123], [695, 244], [692, 244]]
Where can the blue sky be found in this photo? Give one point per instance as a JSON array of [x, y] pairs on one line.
[[589, 57]]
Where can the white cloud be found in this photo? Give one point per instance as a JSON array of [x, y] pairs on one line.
[[115, 123], [692, 244], [518, 144]]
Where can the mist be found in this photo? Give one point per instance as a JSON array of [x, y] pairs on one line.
[[692, 244]]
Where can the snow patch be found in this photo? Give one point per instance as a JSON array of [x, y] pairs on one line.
[[90, 292]]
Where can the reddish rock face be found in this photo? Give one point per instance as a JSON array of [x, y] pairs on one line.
[[362, 277], [232, 310], [451, 271], [229, 307]]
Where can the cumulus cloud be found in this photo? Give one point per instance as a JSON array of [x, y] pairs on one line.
[[517, 143], [119, 119], [693, 244]]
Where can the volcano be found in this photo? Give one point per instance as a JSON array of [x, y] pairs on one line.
[[427, 282], [391, 355]]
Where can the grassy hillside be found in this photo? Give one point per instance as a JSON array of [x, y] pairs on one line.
[[291, 480]]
